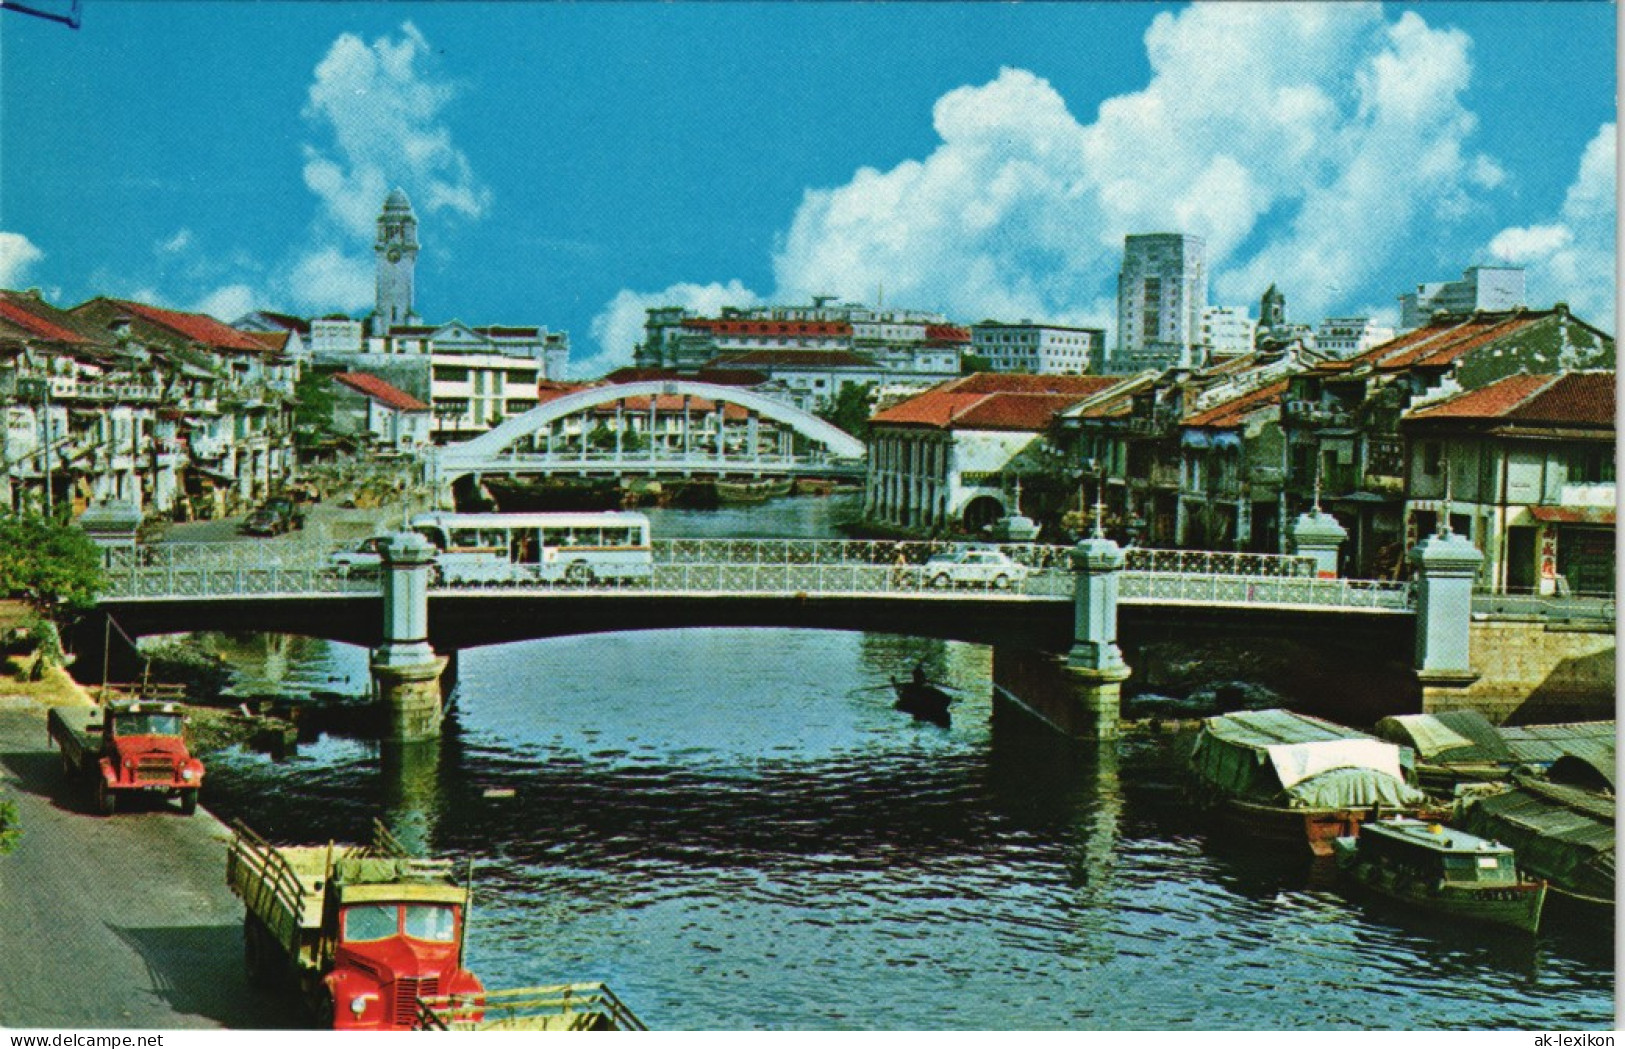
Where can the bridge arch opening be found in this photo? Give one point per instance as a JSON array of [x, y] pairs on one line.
[[660, 426], [981, 512]]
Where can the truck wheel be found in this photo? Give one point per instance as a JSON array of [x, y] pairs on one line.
[[188, 801], [106, 800]]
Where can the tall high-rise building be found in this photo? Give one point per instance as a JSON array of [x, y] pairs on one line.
[[1489, 288], [1161, 292], [397, 252]]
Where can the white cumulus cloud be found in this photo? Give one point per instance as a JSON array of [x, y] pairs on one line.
[[329, 278], [17, 255], [383, 107], [175, 244], [1572, 259], [619, 327], [1308, 144], [227, 303]]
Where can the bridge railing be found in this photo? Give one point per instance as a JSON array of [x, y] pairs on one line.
[[768, 567], [1278, 591]]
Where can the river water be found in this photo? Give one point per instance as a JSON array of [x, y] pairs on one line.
[[735, 830]]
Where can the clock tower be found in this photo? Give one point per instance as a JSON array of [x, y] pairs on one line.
[[397, 252]]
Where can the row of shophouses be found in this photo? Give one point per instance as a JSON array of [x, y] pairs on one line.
[[1503, 421], [116, 403]]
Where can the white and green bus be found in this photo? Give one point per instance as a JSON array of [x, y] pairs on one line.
[[495, 549]]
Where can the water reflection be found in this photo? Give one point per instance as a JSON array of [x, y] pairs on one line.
[[736, 830]]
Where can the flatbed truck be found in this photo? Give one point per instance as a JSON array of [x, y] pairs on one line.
[[373, 938], [128, 747]]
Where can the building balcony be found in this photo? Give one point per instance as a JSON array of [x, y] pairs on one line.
[[1315, 414]]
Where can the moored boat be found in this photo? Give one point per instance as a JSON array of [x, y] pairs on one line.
[[1443, 870], [1292, 779], [1452, 747], [1562, 833], [922, 699], [758, 491]]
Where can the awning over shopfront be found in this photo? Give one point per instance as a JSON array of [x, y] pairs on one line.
[[1593, 515]]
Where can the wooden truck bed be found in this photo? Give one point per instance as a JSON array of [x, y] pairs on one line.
[[282, 886], [72, 728]]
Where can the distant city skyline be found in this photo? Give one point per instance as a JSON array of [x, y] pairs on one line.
[[573, 165]]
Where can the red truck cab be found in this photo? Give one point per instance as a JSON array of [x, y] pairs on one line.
[[395, 943], [143, 748]]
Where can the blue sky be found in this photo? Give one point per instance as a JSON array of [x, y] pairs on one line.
[[572, 164]]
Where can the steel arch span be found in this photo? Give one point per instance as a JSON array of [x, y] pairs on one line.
[[489, 448]]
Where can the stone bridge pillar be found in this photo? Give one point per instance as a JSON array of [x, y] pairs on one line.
[[1446, 567], [1318, 535], [405, 670], [1095, 660]]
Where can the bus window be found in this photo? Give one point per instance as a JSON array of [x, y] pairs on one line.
[[435, 536], [465, 537]]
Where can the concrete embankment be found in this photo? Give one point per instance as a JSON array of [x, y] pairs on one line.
[[120, 921]]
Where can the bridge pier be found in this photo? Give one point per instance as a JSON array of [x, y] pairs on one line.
[[1318, 535], [1446, 567], [405, 670], [1079, 694]]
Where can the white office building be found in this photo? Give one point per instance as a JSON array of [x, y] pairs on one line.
[[1036, 349], [1228, 331], [1488, 288], [1161, 293], [1350, 336]]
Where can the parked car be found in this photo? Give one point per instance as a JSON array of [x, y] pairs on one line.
[[363, 559], [974, 566], [274, 517]]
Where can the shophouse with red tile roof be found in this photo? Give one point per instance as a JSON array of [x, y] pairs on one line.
[[382, 416], [1342, 417], [1525, 467], [965, 453], [240, 440]]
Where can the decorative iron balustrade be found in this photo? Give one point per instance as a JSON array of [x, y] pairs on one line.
[[760, 568]]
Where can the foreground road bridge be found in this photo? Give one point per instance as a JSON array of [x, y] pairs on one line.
[[1046, 599]]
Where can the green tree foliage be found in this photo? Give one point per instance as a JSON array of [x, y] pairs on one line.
[[971, 363], [56, 568], [849, 409], [313, 415], [9, 830]]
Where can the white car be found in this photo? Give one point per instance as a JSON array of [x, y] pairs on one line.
[[974, 567], [363, 559]]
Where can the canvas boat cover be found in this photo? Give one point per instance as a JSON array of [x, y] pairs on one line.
[[1544, 744], [1278, 757], [1451, 737], [1560, 833]]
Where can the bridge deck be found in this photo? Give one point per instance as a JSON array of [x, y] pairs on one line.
[[803, 569]]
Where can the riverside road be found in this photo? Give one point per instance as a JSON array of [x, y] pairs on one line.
[[115, 922]]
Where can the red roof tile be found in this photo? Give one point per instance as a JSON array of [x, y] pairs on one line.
[[41, 327], [1008, 382], [1578, 398], [1235, 411], [198, 327], [381, 391], [1489, 402], [791, 359], [271, 340], [1586, 398], [793, 329], [935, 407], [1013, 411]]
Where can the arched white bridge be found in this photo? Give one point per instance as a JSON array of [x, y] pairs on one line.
[[773, 438]]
